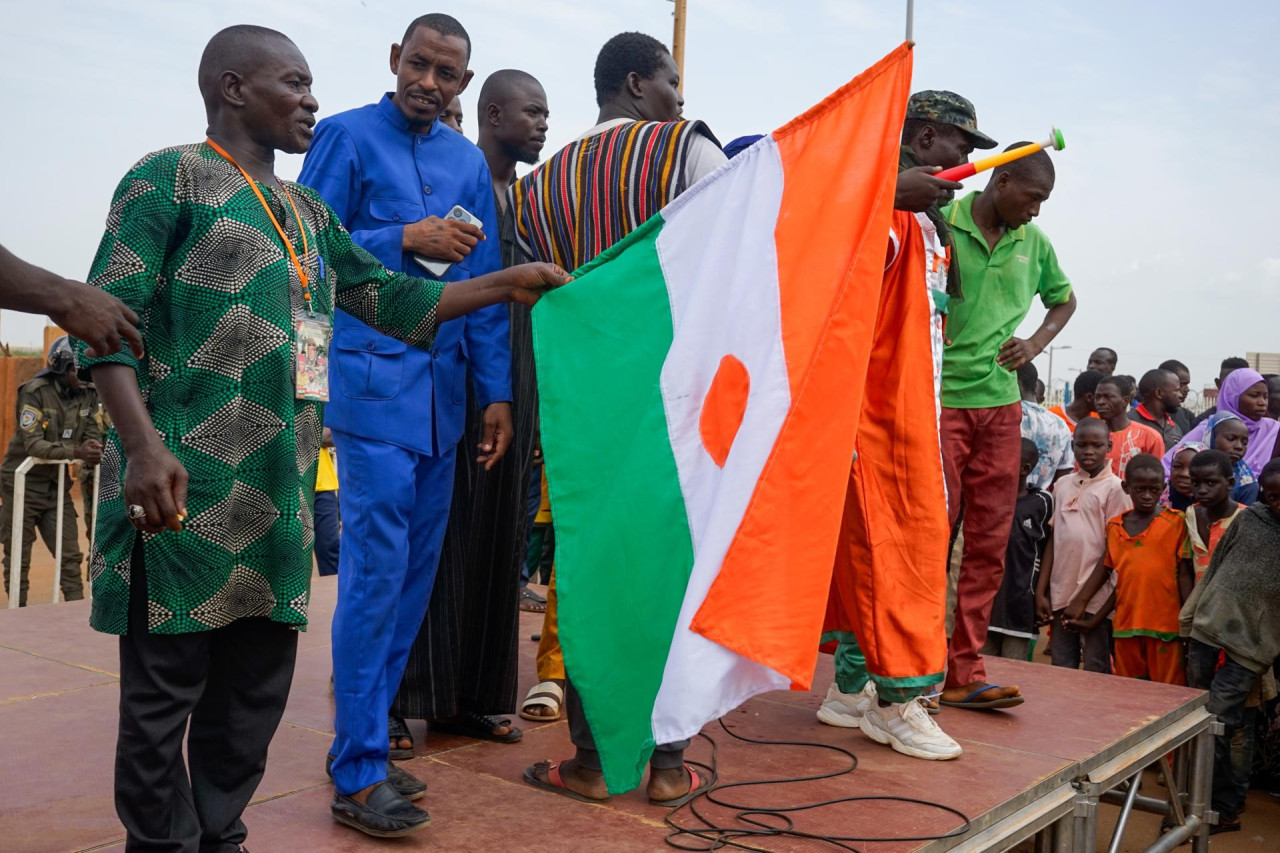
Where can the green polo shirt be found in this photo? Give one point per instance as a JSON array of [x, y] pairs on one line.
[[999, 285]]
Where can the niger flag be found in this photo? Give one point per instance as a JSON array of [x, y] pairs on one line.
[[700, 387]]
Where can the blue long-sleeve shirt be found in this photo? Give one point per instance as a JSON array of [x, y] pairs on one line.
[[380, 176]]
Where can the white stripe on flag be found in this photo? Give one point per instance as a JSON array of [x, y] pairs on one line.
[[720, 264]]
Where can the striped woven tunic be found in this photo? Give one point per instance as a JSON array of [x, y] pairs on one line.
[[600, 188]]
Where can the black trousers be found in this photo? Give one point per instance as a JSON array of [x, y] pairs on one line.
[[1229, 688], [231, 683], [666, 756]]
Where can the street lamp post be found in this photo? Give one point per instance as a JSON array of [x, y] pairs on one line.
[[1049, 383]]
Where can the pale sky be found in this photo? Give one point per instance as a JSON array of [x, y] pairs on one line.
[[1163, 215]]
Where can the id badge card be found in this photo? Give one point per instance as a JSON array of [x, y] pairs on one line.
[[311, 372]]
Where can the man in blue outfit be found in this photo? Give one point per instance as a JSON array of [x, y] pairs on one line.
[[392, 172]]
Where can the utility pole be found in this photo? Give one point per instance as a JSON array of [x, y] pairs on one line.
[[677, 40]]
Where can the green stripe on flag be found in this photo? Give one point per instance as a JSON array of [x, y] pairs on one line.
[[623, 548]]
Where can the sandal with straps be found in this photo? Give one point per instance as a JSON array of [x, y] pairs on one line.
[[478, 726], [546, 694], [398, 730]]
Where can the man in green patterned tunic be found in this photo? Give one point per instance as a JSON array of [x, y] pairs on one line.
[[203, 555]]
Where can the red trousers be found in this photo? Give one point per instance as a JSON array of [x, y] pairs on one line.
[[981, 457]]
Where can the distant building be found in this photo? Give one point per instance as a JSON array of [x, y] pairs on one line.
[[1264, 362]]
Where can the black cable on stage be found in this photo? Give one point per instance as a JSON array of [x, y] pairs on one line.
[[758, 822]]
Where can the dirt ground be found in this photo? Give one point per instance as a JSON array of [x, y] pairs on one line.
[[1261, 821]]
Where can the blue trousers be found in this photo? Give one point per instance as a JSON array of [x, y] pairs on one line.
[[395, 507], [328, 523]]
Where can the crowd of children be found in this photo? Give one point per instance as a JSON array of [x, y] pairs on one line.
[[1166, 569]]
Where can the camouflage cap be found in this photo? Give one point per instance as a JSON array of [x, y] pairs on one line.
[[945, 107]]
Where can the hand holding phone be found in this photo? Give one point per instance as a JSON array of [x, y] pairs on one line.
[[437, 243]]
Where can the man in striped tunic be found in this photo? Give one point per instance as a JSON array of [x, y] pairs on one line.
[[638, 157]]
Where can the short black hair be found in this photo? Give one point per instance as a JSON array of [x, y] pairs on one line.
[[1214, 459], [1271, 469], [1115, 356], [1143, 462], [1124, 384], [1086, 382], [1152, 380], [1030, 453], [445, 25], [1027, 377], [1037, 165], [1235, 362], [622, 54], [1090, 422], [1173, 366]]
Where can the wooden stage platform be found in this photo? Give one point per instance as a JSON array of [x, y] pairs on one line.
[[1023, 770]]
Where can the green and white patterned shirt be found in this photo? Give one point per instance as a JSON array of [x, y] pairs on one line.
[[189, 247]]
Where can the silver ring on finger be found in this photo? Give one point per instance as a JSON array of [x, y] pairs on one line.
[[136, 512]]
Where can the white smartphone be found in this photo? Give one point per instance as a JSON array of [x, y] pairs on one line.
[[436, 266]]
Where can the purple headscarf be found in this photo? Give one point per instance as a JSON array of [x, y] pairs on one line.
[[1262, 433]]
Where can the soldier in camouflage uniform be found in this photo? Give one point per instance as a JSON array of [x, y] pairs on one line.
[[55, 421]]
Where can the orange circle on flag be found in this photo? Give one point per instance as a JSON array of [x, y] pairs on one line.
[[724, 407]]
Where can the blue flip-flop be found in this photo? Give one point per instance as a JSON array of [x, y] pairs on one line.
[[989, 705]]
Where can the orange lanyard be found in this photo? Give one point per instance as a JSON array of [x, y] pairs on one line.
[[293, 256]]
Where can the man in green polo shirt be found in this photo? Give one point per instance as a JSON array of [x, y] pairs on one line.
[[1005, 262]]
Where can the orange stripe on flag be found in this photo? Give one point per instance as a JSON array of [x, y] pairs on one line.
[[840, 164]]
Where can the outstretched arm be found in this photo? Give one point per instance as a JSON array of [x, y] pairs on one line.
[[411, 309], [92, 315]]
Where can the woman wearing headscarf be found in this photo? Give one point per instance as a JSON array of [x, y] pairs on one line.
[[1244, 395], [1177, 493]]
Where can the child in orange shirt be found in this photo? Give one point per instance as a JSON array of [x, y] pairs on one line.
[[1147, 550], [1212, 482]]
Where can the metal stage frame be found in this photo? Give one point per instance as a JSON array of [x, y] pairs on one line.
[[1061, 813]]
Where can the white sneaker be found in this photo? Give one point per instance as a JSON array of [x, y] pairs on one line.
[[846, 709], [909, 729]]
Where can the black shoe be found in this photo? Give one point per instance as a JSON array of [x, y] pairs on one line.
[[1225, 825], [406, 784], [385, 815]]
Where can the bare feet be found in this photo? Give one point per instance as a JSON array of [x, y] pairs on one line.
[[586, 783], [669, 784]]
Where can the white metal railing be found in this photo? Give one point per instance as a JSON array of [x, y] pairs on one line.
[[15, 538]]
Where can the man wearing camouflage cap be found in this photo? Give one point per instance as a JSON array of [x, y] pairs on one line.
[[881, 692], [55, 421]]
